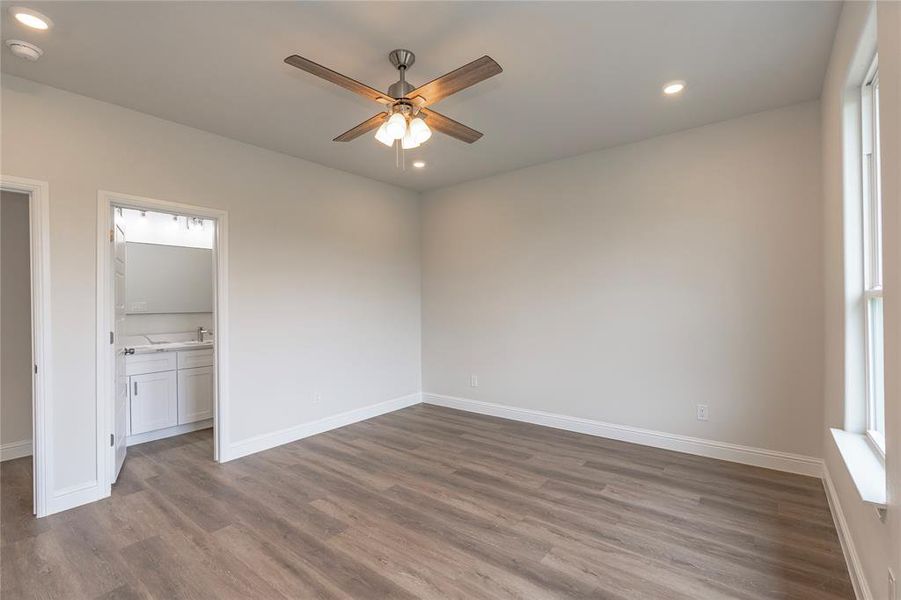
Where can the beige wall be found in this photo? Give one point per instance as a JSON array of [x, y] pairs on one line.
[[323, 265], [632, 284], [15, 320]]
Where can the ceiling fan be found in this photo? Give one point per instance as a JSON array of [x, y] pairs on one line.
[[407, 118]]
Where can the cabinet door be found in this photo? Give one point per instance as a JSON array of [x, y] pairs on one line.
[[195, 394], [154, 401]]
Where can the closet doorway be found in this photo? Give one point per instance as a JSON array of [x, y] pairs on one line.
[[25, 306]]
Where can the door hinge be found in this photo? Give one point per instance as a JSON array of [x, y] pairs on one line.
[[111, 235], [35, 369], [112, 439], [110, 337]]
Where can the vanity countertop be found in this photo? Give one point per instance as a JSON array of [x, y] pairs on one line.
[[166, 342], [172, 346]]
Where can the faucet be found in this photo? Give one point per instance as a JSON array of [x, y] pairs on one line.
[[200, 332]]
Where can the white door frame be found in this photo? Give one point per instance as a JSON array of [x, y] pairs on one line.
[[105, 366], [41, 391]]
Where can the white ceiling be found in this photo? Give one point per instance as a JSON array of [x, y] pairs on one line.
[[577, 76]]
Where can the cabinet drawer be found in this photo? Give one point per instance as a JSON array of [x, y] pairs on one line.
[[154, 362], [188, 359]]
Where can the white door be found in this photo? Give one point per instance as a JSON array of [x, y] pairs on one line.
[[121, 384], [154, 401], [195, 394]]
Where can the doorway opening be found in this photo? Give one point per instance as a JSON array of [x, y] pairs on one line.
[[15, 346], [24, 341], [161, 288]]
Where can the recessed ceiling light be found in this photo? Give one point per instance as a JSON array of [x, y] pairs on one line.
[[31, 18], [24, 50], [419, 164], [673, 87]]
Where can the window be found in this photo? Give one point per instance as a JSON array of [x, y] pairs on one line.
[[872, 253]]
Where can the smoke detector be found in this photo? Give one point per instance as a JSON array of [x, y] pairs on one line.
[[24, 50]]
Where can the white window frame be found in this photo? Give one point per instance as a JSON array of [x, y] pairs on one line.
[[871, 206]]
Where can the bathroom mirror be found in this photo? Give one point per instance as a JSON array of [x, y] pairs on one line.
[[168, 279]]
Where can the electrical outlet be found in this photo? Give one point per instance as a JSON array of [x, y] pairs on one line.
[[473, 381], [702, 412], [317, 398]]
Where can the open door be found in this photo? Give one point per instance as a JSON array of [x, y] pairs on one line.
[[117, 239]]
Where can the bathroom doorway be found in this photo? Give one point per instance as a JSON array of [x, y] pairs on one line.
[[161, 274]]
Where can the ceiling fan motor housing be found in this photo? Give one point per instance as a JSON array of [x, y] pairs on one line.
[[399, 89]]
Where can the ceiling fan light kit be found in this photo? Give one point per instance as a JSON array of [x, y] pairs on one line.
[[409, 142], [406, 118], [396, 126], [382, 135], [419, 131]]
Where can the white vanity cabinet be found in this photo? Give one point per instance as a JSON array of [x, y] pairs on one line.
[[154, 401], [195, 386], [170, 392]]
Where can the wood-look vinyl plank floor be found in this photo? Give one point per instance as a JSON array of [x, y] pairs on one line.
[[427, 502]]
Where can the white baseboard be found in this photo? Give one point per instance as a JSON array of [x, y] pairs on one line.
[[748, 455], [298, 432], [152, 436], [855, 567], [72, 496], [12, 450]]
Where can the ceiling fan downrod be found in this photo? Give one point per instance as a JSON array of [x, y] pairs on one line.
[[402, 60]]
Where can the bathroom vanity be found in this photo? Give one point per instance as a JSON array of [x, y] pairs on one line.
[[170, 389]]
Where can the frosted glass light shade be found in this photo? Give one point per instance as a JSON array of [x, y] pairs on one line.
[[409, 141], [419, 130], [396, 126], [382, 135]]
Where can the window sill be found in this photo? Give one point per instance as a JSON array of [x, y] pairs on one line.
[[866, 467], [877, 443]]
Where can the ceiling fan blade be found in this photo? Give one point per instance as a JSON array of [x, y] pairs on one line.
[[448, 126], [337, 78], [367, 125], [460, 79]]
